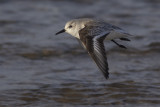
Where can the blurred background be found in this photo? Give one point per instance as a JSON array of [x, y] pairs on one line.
[[39, 69]]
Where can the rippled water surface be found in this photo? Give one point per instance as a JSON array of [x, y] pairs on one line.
[[39, 69]]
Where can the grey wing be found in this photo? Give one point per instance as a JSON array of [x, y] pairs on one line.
[[95, 48]]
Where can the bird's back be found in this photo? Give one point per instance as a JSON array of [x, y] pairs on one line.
[[99, 27]]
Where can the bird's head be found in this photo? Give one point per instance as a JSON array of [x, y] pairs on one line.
[[72, 27]]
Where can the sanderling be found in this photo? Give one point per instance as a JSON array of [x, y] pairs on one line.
[[92, 33]]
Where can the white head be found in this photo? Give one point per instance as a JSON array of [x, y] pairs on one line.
[[72, 27]]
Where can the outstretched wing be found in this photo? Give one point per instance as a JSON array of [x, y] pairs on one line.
[[95, 47]]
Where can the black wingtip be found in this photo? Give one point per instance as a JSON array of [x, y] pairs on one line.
[[125, 39], [106, 75], [122, 46]]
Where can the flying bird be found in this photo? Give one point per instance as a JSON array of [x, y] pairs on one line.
[[91, 33]]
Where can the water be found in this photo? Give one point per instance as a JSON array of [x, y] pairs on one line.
[[39, 69]]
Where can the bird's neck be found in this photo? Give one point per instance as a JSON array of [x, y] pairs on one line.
[[77, 29]]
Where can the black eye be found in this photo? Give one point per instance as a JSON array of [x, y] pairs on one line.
[[70, 26]]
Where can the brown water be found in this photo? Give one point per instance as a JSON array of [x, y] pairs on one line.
[[39, 69]]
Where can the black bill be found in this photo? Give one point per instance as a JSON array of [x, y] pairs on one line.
[[60, 31]]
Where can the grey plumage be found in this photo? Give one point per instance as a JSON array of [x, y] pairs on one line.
[[92, 34]]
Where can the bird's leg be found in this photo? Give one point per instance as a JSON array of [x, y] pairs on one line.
[[122, 46], [125, 39]]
